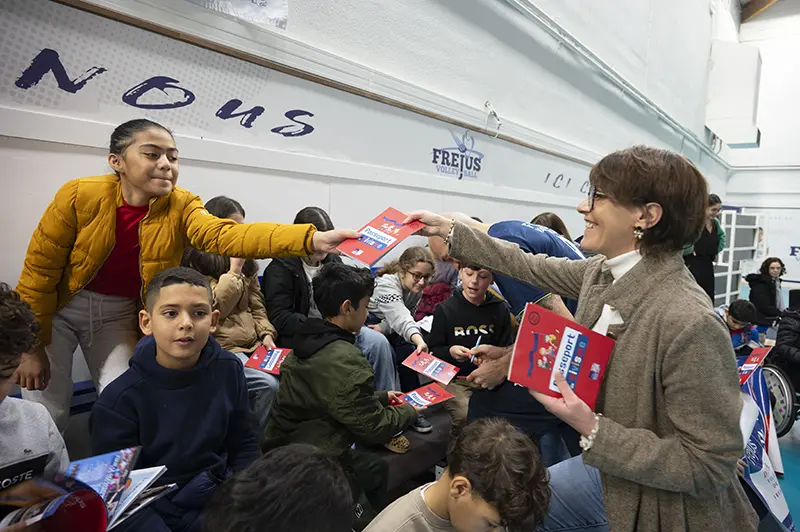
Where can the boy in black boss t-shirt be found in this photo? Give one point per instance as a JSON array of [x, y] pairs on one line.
[[472, 313]]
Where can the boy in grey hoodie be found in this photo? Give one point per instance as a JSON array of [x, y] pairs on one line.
[[31, 445]]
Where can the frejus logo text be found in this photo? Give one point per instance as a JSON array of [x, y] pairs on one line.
[[461, 160], [794, 251]]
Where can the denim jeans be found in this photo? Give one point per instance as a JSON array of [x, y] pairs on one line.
[[380, 356], [261, 390], [576, 500], [552, 449]]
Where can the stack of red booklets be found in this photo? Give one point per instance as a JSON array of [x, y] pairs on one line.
[[268, 360], [548, 343], [379, 237], [430, 366]]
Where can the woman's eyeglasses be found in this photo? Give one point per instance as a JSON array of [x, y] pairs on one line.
[[593, 195], [419, 277]]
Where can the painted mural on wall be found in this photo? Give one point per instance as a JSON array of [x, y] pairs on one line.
[[154, 93], [64, 62]]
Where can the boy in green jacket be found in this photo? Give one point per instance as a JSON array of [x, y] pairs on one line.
[[327, 396]]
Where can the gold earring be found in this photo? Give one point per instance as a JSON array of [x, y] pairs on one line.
[[638, 232]]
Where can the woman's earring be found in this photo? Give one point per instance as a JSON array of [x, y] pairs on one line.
[[638, 232]]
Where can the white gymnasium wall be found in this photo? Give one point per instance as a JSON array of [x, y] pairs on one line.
[[770, 180], [474, 50], [726, 20], [776, 33], [451, 56]]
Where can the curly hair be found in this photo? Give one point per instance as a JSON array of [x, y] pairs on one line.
[[19, 330], [767, 263], [504, 468]]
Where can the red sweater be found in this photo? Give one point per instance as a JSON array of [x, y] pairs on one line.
[[120, 275]]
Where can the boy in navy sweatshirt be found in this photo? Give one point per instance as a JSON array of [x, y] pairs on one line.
[[183, 400], [472, 313]]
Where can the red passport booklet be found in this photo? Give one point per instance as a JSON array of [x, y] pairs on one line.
[[753, 361], [429, 365], [379, 237], [547, 343], [268, 360], [427, 396]]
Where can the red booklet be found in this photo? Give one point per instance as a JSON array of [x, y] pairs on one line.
[[753, 361], [379, 237], [268, 360], [427, 396], [547, 343], [429, 365]]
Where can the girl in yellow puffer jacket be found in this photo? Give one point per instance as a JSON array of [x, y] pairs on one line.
[[102, 240]]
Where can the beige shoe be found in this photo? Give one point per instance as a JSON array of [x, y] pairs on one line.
[[399, 444]]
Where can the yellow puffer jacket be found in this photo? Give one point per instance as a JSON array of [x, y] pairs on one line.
[[77, 232]]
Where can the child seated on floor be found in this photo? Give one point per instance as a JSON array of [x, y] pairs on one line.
[[739, 318], [494, 481], [472, 314], [183, 400], [30, 445], [296, 488], [327, 396]]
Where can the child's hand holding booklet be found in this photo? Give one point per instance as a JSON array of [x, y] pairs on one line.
[[95, 494]]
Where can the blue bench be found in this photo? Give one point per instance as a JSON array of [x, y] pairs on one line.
[[84, 395]]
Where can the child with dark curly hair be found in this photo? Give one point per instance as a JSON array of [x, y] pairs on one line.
[[494, 481], [31, 444]]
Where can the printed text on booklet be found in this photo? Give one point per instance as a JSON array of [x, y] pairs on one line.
[[548, 343], [426, 396], [430, 366], [268, 360], [379, 237]]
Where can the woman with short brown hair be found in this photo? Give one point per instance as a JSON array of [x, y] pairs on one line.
[[660, 453]]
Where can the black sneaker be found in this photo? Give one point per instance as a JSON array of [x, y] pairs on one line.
[[422, 425]]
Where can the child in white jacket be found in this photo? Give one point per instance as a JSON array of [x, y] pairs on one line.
[[398, 290]]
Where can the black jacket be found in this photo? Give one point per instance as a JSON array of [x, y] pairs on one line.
[[787, 344], [287, 297], [763, 296], [456, 321]]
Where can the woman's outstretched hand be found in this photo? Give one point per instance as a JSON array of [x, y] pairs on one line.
[[328, 241], [569, 407], [435, 225]]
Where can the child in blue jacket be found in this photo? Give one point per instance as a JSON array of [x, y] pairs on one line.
[[739, 317], [183, 400]]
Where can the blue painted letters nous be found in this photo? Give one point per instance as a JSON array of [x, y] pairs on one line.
[[48, 60]]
